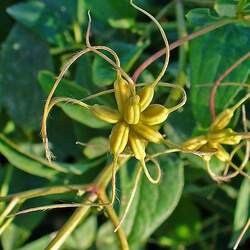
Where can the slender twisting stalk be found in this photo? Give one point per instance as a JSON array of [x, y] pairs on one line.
[[220, 79], [166, 50], [131, 198]]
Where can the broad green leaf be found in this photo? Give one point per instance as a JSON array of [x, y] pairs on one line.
[[106, 238], [65, 88], [211, 55], [110, 9], [69, 89], [27, 162], [182, 228], [242, 211], [226, 8], [201, 16], [153, 204], [82, 238], [104, 74], [52, 20], [82, 115], [96, 147], [23, 56]]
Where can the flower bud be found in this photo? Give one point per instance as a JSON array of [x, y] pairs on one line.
[[146, 96], [105, 113], [119, 138], [122, 92], [154, 114], [137, 145], [148, 133], [132, 110]]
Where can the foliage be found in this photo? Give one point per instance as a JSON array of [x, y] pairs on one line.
[[187, 209]]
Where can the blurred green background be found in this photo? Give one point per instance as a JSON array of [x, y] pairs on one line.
[[187, 210]]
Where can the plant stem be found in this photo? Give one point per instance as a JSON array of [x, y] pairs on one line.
[[8, 209], [6, 181], [70, 225], [44, 191], [178, 43], [115, 221], [80, 213]]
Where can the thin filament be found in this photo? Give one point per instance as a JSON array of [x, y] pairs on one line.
[[131, 198], [146, 172], [163, 34]]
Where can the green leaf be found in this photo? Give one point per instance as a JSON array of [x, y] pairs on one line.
[[110, 9], [182, 228], [201, 16], [69, 89], [65, 88], [23, 56], [242, 211], [211, 55], [153, 204], [106, 239], [226, 8], [27, 162], [82, 238], [96, 147], [52, 20], [82, 115], [104, 74]]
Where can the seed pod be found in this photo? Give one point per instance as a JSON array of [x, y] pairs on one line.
[[137, 145], [132, 111], [194, 143], [119, 138], [146, 96], [222, 120], [148, 133], [225, 136], [122, 92], [154, 114], [105, 113], [222, 154]]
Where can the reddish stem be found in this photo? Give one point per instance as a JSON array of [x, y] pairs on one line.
[[220, 79], [176, 44]]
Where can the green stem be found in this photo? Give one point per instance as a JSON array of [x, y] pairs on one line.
[[44, 191], [115, 221], [80, 213], [8, 209], [6, 181], [70, 225]]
